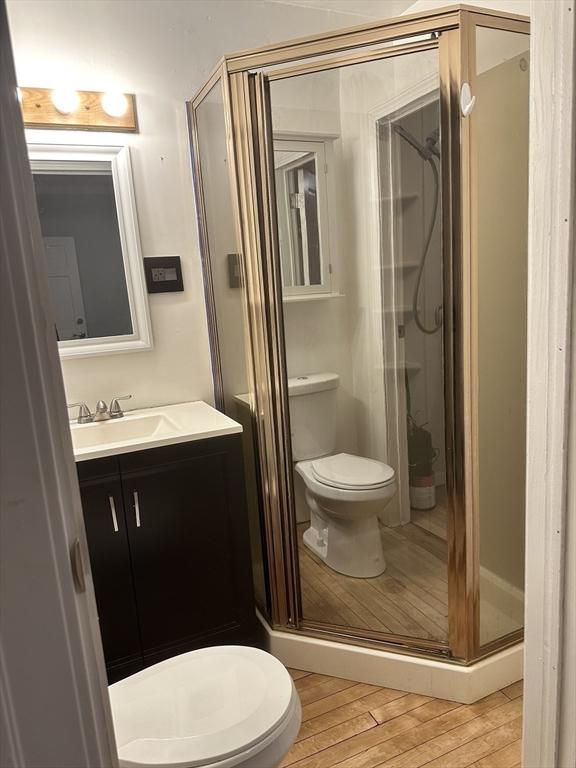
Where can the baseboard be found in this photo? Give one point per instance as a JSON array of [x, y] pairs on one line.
[[428, 677]]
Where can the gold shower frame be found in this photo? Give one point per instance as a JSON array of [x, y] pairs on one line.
[[244, 79]]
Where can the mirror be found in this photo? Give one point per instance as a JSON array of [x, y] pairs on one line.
[[88, 221], [301, 197]]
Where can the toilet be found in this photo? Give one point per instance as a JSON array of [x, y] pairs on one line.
[[344, 494], [215, 707]]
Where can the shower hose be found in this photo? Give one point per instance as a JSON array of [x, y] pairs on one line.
[[429, 234]]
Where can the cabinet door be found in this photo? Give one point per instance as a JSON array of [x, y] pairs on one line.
[[187, 554], [110, 563]]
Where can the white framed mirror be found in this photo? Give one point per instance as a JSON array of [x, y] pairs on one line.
[[88, 219]]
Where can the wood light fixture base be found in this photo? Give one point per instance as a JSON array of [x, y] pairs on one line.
[[39, 111]]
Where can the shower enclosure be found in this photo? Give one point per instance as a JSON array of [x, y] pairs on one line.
[[362, 207]]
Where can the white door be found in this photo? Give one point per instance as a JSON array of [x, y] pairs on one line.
[[54, 707], [65, 288]]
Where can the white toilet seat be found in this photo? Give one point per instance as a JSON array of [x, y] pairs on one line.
[[344, 470], [212, 707], [340, 492]]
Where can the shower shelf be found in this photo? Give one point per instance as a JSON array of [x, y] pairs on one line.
[[299, 297], [409, 366], [406, 266], [405, 313], [403, 199]]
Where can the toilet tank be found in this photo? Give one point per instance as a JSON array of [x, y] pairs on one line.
[[312, 400]]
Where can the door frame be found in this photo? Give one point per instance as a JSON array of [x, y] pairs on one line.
[[550, 678], [49, 631]]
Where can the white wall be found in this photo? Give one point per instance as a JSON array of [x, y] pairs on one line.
[[317, 338], [221, 235], [510, 6], [162, 52]]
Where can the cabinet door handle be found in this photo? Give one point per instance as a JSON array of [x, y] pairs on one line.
[[137, 508], [113, 511]]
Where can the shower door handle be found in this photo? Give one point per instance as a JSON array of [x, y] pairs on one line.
[[467, 101]]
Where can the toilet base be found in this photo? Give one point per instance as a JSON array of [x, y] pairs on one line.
[[314, 542], [351, 547]]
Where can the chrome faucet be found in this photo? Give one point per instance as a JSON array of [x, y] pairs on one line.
[[84, 415], [101, 413]]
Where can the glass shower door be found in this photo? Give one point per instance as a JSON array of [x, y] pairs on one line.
[[501, 139], [226, 300], [358, 205]]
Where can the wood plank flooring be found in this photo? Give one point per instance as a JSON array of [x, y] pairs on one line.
[[355, 725], [434, 520], [409, 598]]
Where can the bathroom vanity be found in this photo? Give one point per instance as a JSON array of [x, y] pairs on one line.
[[167, 533]]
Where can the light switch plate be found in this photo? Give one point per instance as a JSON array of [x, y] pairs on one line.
[[163, 274]]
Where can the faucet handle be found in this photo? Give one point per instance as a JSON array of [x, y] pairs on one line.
[[116, 411], [84, 415]]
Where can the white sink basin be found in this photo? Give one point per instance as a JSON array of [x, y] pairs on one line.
[[150, 428], [120, 430]]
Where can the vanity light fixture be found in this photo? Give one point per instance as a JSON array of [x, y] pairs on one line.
[[66, 101], [114, 104], [61, 108]]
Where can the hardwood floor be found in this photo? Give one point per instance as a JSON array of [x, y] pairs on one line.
[[409, 598], [434, 520], [354, 725]]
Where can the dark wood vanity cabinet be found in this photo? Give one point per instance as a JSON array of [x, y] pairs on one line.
[[107, 537], [168, 539]]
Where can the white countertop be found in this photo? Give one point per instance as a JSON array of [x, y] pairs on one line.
[[150, 428]]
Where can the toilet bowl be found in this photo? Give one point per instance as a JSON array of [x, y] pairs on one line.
[[215, 707], [345, 495]]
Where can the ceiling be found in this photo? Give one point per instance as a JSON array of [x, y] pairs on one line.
[[369, 9]]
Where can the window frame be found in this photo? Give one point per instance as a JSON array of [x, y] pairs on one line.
[[319, 149]]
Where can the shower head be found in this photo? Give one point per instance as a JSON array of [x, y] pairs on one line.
[[425, 150]]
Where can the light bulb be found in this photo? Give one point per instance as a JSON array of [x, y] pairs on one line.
[[114, 104], [65, 101]]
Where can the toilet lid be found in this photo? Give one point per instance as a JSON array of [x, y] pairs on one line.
[[200, 707], [354, 472]]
